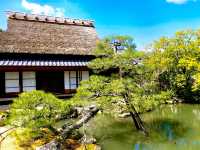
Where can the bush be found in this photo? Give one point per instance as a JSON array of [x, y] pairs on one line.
[[36, 110], [145, 103]]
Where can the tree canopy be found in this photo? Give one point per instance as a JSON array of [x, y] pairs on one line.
[[176, 60], [121, 77]]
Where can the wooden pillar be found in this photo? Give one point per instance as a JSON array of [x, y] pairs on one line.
[[20, 82], [2, 83]]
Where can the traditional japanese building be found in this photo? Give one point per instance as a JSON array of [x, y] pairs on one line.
[[44, 53]]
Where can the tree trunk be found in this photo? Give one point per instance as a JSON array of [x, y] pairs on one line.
[[87, 115], [135, 116]]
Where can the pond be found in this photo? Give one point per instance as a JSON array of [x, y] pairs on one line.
[[170, 127]]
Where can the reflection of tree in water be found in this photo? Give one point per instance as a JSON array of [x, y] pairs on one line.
[[167, 128], [173, 109], [177, 127], [160, 130], [196, 112], [164, 129]]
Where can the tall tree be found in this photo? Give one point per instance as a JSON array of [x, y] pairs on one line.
[[120, 74], [176, 60]]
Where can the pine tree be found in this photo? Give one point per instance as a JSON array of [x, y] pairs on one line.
[[120, 73]]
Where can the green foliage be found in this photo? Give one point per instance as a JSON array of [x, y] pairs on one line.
[[36, 110], [144, 103], [176, 61], [27, 138], [116, 75]]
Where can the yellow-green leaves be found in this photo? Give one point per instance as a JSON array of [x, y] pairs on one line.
[[177, 59], [37, 109], [116, 75]]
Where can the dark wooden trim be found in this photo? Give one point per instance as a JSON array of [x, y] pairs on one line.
[[2, 83], [77, 78], [69, 80], [36, 78], [9, 95], [65, 91], [20, 82], [63, 82], [70, 91], [48, 56], [21, 68]]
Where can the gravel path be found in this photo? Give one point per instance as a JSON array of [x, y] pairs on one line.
[[7, 142]]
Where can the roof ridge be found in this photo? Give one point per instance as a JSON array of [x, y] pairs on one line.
[[49, 19]]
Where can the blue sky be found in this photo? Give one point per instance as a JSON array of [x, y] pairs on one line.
[[145, 20]]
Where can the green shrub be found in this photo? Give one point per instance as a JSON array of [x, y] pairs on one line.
[[36, 110], [145, 103]]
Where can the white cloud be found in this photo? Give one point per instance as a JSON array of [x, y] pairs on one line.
[[42, 9], [179, 1]]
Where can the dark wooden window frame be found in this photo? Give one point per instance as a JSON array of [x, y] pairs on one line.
[[78, 79], [20, 83], [9, 86], [27, 79]]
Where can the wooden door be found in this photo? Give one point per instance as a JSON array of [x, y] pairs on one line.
[[50, 82]]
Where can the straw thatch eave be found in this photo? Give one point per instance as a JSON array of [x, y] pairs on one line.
[[39, 37]]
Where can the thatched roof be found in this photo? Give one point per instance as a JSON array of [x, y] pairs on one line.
[[49, 35]]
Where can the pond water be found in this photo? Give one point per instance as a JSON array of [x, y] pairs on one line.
[[170, 127]]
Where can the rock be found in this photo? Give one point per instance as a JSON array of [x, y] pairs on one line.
[[100, 112], [2, 117], [92, 106], [89, 108], [177, 100], [91, 140], [53, 145], [88, 140], [124, 115], [79, 110], [74, 114], [170, 102]]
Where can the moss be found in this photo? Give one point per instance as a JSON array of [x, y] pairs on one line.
[[25, 139]]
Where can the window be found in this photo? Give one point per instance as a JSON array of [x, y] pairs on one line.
[[73, 78], [85, 75], [29, 82], [12, 82]]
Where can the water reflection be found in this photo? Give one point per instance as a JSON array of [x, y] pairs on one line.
[[170, 127]]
